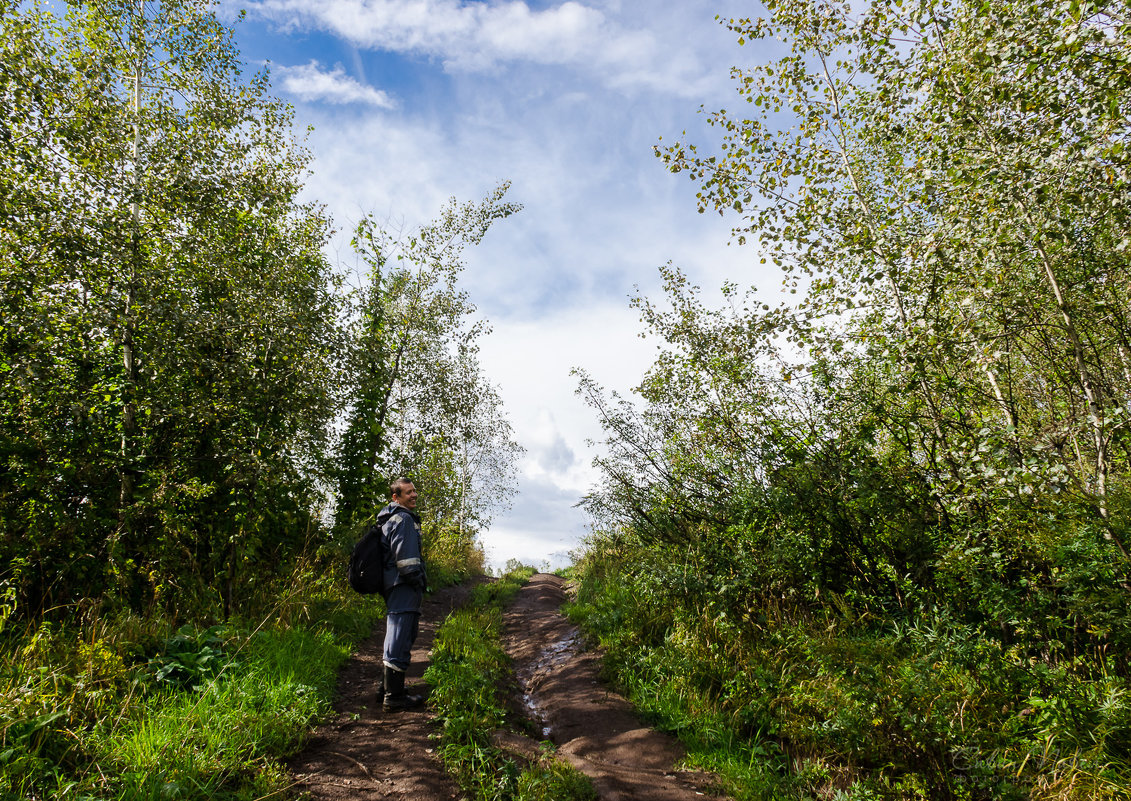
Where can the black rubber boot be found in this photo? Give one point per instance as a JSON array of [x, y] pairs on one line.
[[395, 696]]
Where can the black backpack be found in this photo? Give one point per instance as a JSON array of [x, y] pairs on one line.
[[366, 570]]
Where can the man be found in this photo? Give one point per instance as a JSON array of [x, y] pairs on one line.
[[405, 581]]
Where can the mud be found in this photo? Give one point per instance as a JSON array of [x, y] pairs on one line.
[[594, 729], [364, 753], [549, 658]]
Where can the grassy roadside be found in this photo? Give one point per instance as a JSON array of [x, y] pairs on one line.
[[132, 708], [468, 673], [852, 708], [664, 685]]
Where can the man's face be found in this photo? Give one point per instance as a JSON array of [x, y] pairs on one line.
[[407, 498]]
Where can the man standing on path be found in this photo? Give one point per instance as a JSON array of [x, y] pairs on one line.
[[405, 581]]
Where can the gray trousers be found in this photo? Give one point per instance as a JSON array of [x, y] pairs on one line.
[[400, 633]]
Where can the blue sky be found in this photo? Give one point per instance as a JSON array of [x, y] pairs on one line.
[[416, 101]]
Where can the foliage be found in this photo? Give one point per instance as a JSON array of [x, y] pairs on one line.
[[128, 708], [877, 535], [470, 675], [189, 658], [955, 224], [420, 405], [203, 742], [784, 706], [177, 355], [450, 556], [168, 320]]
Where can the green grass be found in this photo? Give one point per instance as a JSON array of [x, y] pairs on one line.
[[98, 704], [667, 692], [127, 708], [224, 738], [835, 706], [469, 674]]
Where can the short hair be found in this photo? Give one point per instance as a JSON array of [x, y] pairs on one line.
[[398, 486]]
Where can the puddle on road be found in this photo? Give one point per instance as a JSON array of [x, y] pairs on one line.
[[549, 657]]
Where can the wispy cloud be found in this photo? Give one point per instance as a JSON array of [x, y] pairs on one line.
[[548, 95], [475, 36], [311, 83]]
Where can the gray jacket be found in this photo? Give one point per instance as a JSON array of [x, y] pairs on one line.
[[405, 577]]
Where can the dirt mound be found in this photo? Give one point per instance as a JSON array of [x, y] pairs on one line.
[[594, 728]]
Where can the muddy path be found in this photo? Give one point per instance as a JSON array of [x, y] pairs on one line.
[[594, 729], [365, 753]]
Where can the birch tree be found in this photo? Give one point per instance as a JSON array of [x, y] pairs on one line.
[[420, 404], [946, 186], [168, 317]]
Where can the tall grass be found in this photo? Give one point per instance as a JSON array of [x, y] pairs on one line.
[[840, 705], [125, 707], [98, 704], [224, 738], [470, 674]]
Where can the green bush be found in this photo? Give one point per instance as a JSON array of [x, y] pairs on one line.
[[807, 701], [127, 708]]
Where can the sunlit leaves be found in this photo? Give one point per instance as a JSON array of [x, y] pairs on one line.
[[959, 171], [168, 318], [420, 405]]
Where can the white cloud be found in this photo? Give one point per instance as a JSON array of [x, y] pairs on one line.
[[547, 452], [531, 360], [600, 212], [311, 83], [475, 36], [503, 543]]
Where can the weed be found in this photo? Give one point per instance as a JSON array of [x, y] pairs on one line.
[[191, 657], [468, 673], [839, 705], [122, 707], [113, 705]]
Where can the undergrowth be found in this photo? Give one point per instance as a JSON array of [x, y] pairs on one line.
[[118, 706], [469, 671], [103, 704], [844, 706]]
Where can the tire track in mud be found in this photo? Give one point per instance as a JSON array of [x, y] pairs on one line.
[[366, 754], [594, 729]]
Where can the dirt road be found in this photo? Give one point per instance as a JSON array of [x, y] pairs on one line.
[[594, 728], [363, 753]]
